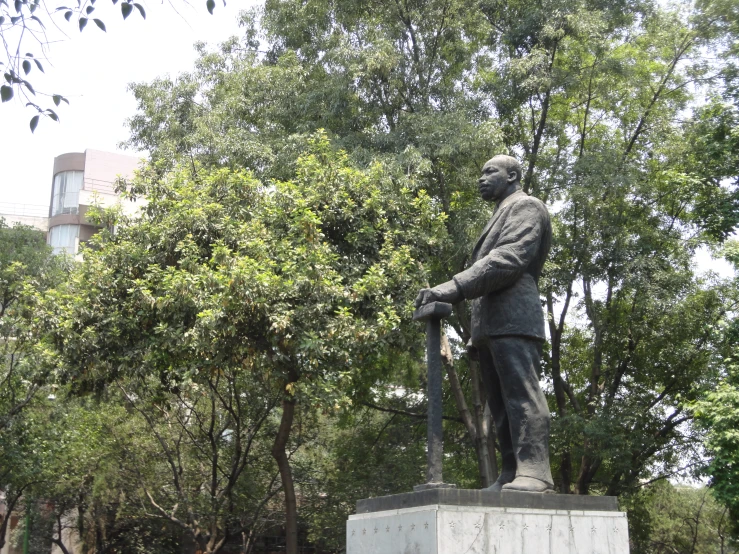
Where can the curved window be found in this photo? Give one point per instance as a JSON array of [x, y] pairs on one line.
[[63, 238], [66, 198]]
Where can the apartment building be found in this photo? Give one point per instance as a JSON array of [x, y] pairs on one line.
[[78, 181], [81, 180]]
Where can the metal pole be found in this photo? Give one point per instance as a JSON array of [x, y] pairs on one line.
[[432, 314], [434, 432]]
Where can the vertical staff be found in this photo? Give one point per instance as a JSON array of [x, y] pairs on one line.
[[432, 313]]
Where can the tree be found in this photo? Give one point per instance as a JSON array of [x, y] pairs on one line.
[[306, 284], [678, 519], [27, 268], [593, 96], [718, 412]]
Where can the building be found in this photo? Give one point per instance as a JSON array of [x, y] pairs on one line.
[[81, 180]]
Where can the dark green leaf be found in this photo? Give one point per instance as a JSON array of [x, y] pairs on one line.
[[211, 4], [26, 67], [6, 93], [2, 20], [89, 10], [57, 99], [126, 9], [15, 19], [37, 20], [18, 5], [141, 10], [52, 114], [68, 15], [82, 22], [29, 87], [99, 23], [34, 123], [38, 64]]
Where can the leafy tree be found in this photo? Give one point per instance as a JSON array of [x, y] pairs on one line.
[[597, 99], [306, 284], [678, 519], [718, 412], [27, 268]]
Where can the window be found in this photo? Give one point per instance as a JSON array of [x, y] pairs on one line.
[[66, 199], [63, 238]]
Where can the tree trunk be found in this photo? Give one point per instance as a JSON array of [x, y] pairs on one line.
[[10, 506], [487, 461], [588, 468], [58, 540], [555, 332], [474, 422], [280, 455]]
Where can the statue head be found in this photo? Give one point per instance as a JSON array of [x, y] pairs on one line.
[[501, 176]]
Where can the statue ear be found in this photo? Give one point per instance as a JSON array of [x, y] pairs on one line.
[[513, 176]]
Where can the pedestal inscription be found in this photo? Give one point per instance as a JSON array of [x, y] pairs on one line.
[[463, 521], [445, 529]]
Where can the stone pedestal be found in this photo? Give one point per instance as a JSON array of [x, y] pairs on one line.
[[451, 521]]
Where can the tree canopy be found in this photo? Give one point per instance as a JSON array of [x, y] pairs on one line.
[[309, 176]]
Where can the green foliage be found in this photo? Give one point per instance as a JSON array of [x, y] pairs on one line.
[[27, 269], [361, 455], [718, 413], [286, 261], [302, 287], [599, 99], [314, 275], [667, 518]]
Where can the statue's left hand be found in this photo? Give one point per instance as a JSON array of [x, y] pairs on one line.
[[446, 292]]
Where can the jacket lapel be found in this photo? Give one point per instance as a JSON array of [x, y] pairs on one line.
[[491, 222]]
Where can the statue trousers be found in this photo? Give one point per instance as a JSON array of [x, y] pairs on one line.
[[510, 368]]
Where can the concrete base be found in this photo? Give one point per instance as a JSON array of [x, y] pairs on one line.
[[457, 529]]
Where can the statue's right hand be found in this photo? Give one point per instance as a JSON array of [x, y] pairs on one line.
[[424, 297]]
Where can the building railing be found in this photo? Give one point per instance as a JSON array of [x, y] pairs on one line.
[[98, 185], [26, 210]]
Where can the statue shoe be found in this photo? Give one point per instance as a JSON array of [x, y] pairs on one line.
[[529, 484], [503, 479]]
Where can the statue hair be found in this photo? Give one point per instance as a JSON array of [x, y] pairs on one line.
[[509, 163]]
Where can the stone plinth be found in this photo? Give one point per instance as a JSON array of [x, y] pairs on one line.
[[482, 522]]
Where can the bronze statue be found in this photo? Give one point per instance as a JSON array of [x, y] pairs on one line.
[[508, 323]]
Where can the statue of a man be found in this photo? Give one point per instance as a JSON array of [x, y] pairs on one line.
[[507, 324]]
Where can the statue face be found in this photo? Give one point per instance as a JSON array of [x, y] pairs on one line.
[[494, 181]]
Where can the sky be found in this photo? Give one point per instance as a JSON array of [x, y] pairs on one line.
[[92, 69]]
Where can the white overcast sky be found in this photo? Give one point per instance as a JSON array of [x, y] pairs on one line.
[[93, 70]]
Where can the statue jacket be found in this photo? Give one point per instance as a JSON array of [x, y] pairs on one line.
[[502, 281]]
